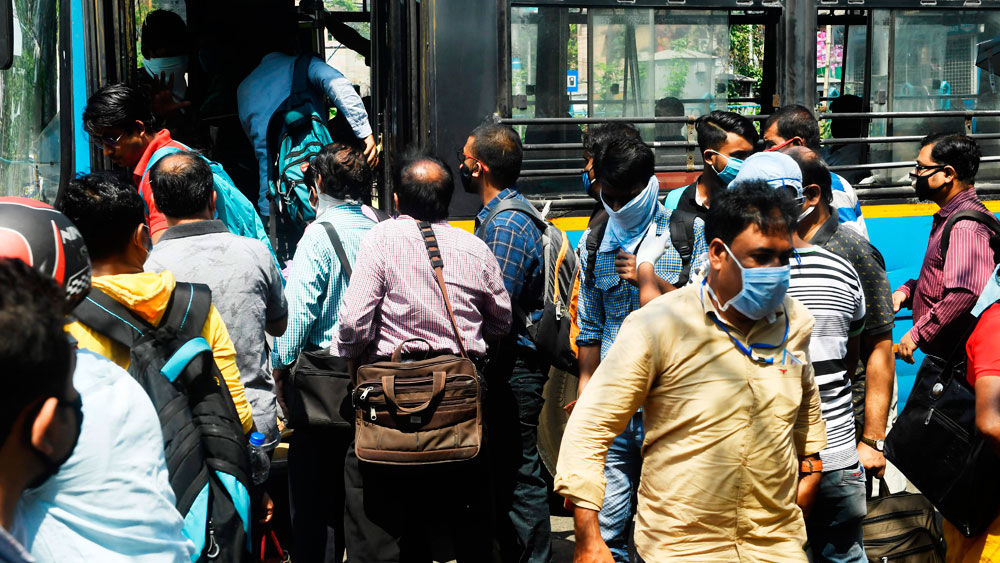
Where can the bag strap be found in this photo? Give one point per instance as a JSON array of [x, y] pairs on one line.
[[188, 309], [985, 219], [300, 77], [434, 252], [682, 236], [512, 204], [674, 198], [593, 244], [104, 314], [338, 247]]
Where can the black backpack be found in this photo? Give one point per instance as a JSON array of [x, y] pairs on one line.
[[203, 439], [681, 226], [551, 333], [988, 220]]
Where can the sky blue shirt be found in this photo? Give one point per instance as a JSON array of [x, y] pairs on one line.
[[316, 283], [111, 501], [269, 85]]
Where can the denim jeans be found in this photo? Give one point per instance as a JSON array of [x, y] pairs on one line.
[[834, 526], [621, 472]]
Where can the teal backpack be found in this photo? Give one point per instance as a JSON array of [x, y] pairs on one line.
[[295, 134]]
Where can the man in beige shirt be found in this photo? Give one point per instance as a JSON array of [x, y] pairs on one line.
[[732, 412]]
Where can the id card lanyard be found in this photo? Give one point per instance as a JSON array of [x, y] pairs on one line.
[[748, 351]]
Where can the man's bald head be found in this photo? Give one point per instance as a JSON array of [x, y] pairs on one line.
[[424, 185], [814, 170], [182, 184]]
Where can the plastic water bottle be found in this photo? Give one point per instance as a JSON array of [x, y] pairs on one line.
[[260, 464]]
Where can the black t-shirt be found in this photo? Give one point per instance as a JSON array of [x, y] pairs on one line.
[[689, 202]]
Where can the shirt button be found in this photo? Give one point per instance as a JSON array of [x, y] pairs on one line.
[[739, 541], [746, 462]]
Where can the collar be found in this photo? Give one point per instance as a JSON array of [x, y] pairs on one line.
[[195, 229], [827, 230], [750, 348], [485, 211], [959, 201], [160, 140], [328, 202]]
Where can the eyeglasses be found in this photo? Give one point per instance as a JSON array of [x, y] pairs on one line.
[[769, 146], [462, 157], [110, 142], [921, 167]]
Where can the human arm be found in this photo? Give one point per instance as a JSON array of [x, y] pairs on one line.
[[902, 297], [590, 319], [651, 285], [809, 482], [880, 371], [356, 318], [496, 306], [988, 410], [276, 314], [341, 92], [308, 282], [224, 352], [589, 546], [508, 236], [983, 366], [649, 252]]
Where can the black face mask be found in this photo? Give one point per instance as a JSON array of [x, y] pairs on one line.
[[921, 185], [51, 466], [465, 175]]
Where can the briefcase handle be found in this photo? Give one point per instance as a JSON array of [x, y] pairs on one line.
[[389, 388], [397, 354]]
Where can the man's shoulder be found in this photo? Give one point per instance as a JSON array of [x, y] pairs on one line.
[[679, 306]]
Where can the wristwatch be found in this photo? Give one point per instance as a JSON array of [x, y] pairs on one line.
[[877, 444]]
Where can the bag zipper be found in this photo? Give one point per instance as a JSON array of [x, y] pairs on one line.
[[947, 423], [907, 553], [884, 517], [894, 539]]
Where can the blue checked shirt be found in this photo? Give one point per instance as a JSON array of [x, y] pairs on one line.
[[606, 300], [316, 283]]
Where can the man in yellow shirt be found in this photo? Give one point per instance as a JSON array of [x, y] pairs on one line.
[[110, 216], [731, 409]]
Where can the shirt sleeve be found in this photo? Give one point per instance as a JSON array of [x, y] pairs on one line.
[[277, 305], [589, 313], [157, 221], [508, 239], [341, 92], [356, 325], [859, 318], [307, 284], [699, 254], [879, 316], [810, 429], [497, 311], [224, 352], [616, 391], [984, 354]]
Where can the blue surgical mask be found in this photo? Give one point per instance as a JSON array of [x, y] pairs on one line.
[[627, 225], [175, 66], [586, 180], [763, 289], [733, 166]]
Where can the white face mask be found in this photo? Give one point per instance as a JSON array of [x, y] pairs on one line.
[[806, 213], [169, 66]]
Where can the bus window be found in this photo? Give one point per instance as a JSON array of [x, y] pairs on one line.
[[29, 104], [342, 49]]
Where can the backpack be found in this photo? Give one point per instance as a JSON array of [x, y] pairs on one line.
[[681, 225], [551, 333], [673, 198], [986, 219], [902, 527], [203, 439], [295, 134]]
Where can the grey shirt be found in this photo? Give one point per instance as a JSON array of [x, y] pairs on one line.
[[246, 289]]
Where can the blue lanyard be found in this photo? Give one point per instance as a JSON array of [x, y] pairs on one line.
[[747, 351]]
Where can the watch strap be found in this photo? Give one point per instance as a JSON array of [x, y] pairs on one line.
[[873, 443]]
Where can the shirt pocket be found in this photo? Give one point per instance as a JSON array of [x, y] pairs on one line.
[[782, 386]]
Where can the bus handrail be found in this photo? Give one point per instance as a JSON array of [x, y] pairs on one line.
[[693, 144], [968, 114]]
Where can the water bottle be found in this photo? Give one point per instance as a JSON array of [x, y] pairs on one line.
[[260, 464]]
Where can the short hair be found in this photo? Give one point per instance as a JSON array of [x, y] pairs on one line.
[[750, 203], [957, 151], [814, 171], [597, 136], [117, 106], [668, 107], [106, 209], [424, 186], [163, 29], [795, 121], [344, 172], [35, 350], [714, 127], [849, 127], [499, 148], [626, 164], [182, 184]]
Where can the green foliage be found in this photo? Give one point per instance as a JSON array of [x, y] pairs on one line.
[[746, 51]]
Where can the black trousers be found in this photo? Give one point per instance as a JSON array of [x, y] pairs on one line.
[[397, 514], [316, 493]]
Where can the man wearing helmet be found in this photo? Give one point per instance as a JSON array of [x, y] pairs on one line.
[[68, 513]]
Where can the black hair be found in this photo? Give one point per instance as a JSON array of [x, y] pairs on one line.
[[35, 350], [163, 29], [750, 203], [625, 166], [814, 171], [117, 106], [668, 107], [714, 127], [499, 148], [795, 121], [424, 185], [597, 137], [850, 127], [182, 184], [343, 170], [957, 151], [106, 209]]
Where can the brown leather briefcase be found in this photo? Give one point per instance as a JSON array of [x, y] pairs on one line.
[[422, 412]]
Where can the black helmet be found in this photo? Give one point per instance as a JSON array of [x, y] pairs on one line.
[[46, 240]]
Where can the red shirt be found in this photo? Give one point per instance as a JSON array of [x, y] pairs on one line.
[[982, 348], [157, 221]]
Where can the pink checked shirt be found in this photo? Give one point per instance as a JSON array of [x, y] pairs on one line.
[[947, 289], [393, 294]]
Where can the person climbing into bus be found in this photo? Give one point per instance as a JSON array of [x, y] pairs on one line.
[[796, 125], [951, 280], [164, 48], [725, 140], [629, 192], [489, 166]]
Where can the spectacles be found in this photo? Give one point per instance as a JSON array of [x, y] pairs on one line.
[[462, 157], [110, 142], [921, 167]]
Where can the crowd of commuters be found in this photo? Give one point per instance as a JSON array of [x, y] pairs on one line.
[[718, 333]]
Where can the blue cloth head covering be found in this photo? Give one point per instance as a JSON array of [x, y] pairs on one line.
[[627, 225], [776, 169], [990, 294]]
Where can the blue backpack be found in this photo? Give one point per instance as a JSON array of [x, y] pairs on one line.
[[295, 134]]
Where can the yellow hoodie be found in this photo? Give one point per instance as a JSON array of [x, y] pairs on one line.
[[147, 295]]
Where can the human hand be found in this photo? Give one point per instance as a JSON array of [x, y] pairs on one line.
[[898, 298], [161, 93], [625, 267], [906, 347], [590, 548], [371, 151], [807, 492], [872, 460], [652, 246]]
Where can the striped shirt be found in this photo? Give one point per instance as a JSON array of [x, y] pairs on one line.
[[394, 295], [315, 284], [946, 290], [848, 208], [830, 288]]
